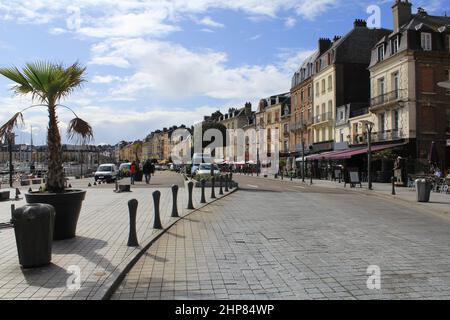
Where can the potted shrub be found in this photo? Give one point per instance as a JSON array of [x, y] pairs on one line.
[[48, 83]]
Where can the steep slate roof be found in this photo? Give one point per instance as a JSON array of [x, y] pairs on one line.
[[408, 34], [354, 47], [304, 72]]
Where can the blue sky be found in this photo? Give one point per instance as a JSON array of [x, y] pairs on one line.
[[157, 63]]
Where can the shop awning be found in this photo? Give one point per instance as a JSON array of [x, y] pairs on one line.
[[349, 153]]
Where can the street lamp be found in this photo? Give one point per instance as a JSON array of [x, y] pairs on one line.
[[369, 126]]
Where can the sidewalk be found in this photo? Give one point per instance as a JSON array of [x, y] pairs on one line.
[[99, 250], [439, 203]]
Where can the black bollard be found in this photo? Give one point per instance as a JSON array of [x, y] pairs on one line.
[[174, 205], [213, 186], [393, 183], [226, 183], [190, 189], [132, 238], [230, 182], [157, 220], [203, 199], [221, 185]]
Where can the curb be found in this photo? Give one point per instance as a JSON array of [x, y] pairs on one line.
[[129, 265]]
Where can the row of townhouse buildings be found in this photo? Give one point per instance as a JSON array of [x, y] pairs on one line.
[[387, 78], [155, 147]]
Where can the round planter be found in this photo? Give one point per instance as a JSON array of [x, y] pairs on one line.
[[67, 207]]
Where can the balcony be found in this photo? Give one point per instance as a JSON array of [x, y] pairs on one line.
[[382, 136], [389, 98], [302, 124], [323, 117]]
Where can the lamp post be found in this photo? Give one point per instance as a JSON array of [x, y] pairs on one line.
[[11, 166], [369, 127]]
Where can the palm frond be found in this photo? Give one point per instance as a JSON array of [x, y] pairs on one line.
[[80, 129], [14, 74], [9, 126]]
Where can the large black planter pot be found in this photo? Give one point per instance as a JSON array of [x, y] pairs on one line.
[[33, 227], [67, 207]]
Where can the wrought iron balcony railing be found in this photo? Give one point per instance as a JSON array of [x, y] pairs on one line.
[[323, 117], [390, 97]]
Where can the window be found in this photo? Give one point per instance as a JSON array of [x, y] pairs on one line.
[[323, 108], [317, 89], [341, 115], [396, 120], [330, 107], [447, 73], [426, 40], [309, 92], [341, 135], [381, 88], [394, 45], [302, 97], [323, 86], [381, 53], [395, 84], [427, 79], [330, 83], [448, 119], [286, 128], [382, 122]]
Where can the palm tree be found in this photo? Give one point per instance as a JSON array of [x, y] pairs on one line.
[[48, 83]]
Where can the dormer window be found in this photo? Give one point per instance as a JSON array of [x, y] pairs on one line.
[[426, 41], [381, 53], [394, 45]]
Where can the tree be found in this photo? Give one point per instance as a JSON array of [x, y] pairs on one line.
[[48, 83]]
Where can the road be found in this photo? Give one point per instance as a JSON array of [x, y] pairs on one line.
[[281, 240]]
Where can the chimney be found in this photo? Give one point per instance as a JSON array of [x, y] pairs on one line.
[[336, 38], [360, 23], [324, 44], [402, 12]]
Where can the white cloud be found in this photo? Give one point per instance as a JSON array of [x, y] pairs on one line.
[[172, 70], [290, 22], [255, 37], [209, 22], [136, 18], [105, 79]]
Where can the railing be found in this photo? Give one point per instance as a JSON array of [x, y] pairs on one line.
[[388, 135], [390, 97], [302, 124], [323, 117]]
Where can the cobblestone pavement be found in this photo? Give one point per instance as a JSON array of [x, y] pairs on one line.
[[273, 244], [99, 249]]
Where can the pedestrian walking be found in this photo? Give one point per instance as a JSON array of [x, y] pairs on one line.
[[147, 170], [152, 169], [133, 170]]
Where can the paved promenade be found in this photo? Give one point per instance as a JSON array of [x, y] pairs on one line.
[[439, 202], [99, 249], [278, 240]]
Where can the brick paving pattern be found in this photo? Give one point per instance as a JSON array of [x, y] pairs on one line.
[[291, 245], [99, 249]]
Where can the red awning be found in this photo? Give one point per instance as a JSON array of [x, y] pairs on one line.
[[350, 153], [347, 154]]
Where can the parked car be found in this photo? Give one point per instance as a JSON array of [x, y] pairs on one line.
[[205, 169], [124, 169], [106, 172]]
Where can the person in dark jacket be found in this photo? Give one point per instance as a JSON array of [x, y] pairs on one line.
[[147, 170]]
